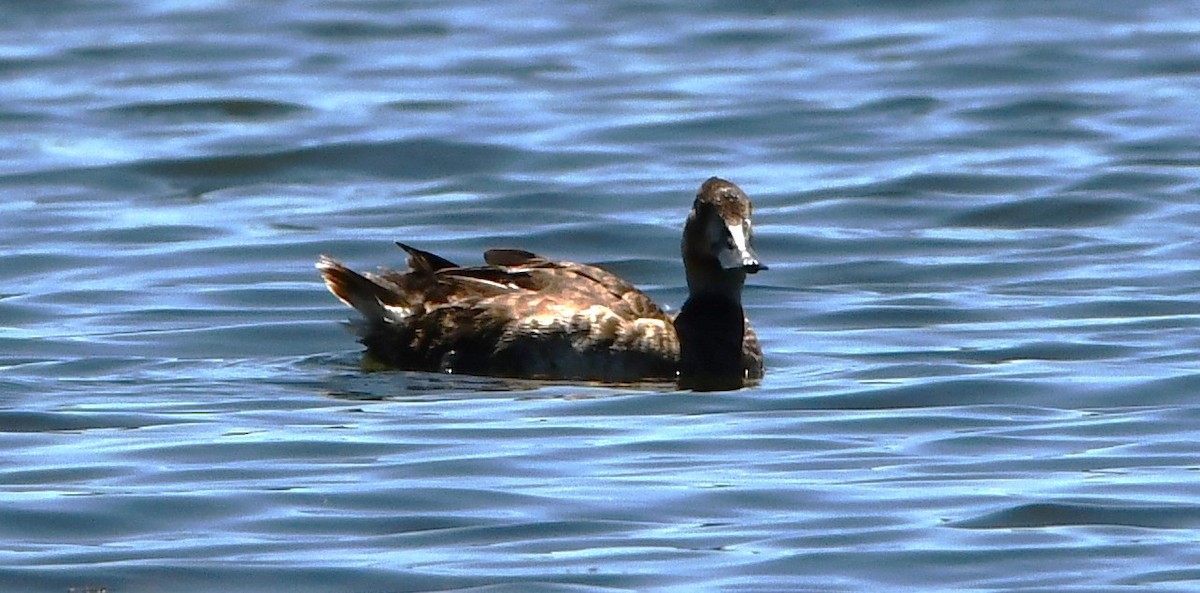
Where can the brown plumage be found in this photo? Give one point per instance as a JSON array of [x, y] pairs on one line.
[[522, 315]]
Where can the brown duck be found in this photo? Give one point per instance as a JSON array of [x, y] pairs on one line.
[[522, 315]]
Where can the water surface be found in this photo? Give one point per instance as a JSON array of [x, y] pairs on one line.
[[980, 317]]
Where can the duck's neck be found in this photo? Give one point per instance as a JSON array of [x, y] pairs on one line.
[[711, 327], [707, 280]]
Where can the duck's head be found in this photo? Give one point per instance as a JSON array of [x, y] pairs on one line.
[[718, 241]]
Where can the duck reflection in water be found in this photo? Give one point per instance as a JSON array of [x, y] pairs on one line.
[[525, 316]]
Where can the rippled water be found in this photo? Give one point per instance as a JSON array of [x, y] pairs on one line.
[[980, 319]]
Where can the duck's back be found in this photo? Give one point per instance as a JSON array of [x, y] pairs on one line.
[[518, 316]]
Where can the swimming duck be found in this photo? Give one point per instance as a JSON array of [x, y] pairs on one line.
[[522, 315]]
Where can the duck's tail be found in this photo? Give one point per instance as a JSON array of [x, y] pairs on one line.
[[360, 292]]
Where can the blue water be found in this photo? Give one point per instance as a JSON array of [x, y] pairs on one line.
[[980, 318]]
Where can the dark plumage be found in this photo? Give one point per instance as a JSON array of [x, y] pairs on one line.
[[522, 315]]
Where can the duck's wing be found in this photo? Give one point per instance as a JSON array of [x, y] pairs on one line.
[[577, 282], [418, 319], [389, 296], [520, 315], [425, 262], [512, 258]]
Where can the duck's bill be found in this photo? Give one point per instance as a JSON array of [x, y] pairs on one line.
[[740, 254], [747, 262], [754, 267]]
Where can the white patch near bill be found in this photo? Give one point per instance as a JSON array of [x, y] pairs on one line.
[[740, 240]]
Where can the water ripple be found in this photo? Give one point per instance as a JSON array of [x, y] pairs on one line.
[[979, 319]]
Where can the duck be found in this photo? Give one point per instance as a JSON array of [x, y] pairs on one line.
[[521, 315]]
